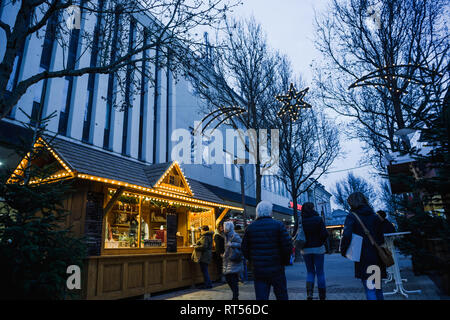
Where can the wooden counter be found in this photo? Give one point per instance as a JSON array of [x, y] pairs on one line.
[[128, 275]]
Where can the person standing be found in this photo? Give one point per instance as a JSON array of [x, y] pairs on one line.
[[369, 255], [219, 241], [314, 250], [267, 245], [232, 268], [387, 226], [243, 276], [203, 254]]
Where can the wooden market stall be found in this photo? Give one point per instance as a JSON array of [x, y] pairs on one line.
[[140, 221]]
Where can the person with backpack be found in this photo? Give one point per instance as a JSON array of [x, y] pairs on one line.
[[203, 254], [232, 258], [314, 250], [361, 218]]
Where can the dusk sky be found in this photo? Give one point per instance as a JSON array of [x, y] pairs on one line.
[[289, 25]]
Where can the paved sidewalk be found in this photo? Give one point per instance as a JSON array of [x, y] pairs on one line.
[[341, 285]]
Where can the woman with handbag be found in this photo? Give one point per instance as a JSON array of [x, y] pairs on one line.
[[314, 250], [232, 258], [363, 222]]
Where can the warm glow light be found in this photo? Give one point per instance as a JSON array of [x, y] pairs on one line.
[[82, 176]]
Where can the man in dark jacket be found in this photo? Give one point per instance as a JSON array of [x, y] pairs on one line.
[[369, 255], [203, 254], [268, 246]]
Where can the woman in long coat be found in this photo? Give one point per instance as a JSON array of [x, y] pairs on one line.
[[369, 255], [232, 269]]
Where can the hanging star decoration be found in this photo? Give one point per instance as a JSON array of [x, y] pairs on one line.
[[292, 103]]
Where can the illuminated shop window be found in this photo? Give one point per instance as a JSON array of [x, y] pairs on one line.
[[138, 221]]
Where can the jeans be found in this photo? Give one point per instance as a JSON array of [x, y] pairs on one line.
[[244, 274], [262, 287], [373, 294], [233, 281], [204, 268], [314, 266]]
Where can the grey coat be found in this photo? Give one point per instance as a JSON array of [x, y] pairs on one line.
[[232, 240]]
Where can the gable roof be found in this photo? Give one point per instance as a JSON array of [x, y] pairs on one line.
[[88, 160]]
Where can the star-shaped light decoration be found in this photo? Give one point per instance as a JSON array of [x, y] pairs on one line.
[[293, 102]]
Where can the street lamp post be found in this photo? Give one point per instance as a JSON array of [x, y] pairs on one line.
[[244, 215], [292, 104]]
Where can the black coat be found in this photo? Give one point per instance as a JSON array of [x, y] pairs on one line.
[[388, 227], [314, 228], [369, 255], [267, 244], [219, 240]]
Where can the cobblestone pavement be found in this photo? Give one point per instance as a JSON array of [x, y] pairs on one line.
[[341, 285]]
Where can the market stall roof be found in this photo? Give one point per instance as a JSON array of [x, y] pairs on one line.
[[87, 162]]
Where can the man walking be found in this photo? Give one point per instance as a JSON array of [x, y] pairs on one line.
[[268, 246]]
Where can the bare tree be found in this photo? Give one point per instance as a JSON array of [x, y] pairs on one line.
[[117, 43], [308, 145], [394, 56], [239, 74], [349, 185]]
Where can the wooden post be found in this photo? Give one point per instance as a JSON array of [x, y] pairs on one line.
[[222, 215], [113, 200]]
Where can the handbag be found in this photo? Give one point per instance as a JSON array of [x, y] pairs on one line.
[[384, 253], [299, 240]]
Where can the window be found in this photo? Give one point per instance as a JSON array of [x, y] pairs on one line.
[[128, 94], [143, 103], [110, 99], [67, 95], [64, 114], [136, 221], [237, 174], [35, 113], [91, 79], [49, 40]]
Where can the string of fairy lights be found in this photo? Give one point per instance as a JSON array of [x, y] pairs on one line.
[[156, 201], [387, 76], [170, 193], [226, 112]]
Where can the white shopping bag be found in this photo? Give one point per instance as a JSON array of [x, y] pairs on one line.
[[354, 250]]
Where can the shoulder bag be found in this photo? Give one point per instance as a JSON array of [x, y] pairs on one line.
[[299, 240], [384, 253]]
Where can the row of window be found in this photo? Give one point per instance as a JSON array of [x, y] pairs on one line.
[[41, 90]]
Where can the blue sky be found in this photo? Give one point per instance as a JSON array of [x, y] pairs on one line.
[[289, 25]]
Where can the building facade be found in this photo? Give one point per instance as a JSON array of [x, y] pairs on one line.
[[84, 113]]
